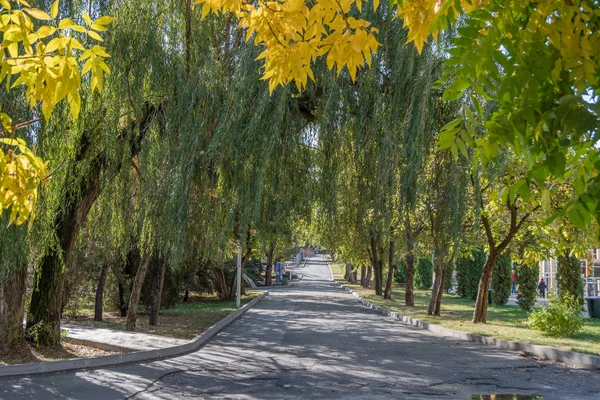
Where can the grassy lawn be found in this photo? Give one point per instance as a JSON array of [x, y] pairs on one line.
[[184, 320], [337, 267], [504, 322]]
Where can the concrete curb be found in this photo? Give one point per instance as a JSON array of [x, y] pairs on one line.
[[123, 358], [544, 352]]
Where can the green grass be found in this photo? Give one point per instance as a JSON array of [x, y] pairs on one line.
[[504, 322], [183, 320], [337, 267]]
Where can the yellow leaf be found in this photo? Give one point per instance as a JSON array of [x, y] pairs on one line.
[[104, 20], [54, 9], [87, 18], [94, 35], [98, 27], [65, 23], [38, 14]]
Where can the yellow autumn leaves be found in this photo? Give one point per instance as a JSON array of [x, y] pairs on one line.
[[295, 33], [46, 58]]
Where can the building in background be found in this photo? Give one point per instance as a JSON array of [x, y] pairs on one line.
[[590, 268]]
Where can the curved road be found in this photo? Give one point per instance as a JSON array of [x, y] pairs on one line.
[[314, 340]]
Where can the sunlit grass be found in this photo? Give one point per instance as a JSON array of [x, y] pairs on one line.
[[504, 322]]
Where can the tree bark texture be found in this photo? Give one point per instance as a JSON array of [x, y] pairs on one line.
[[12, 307], [269, 268], [136, 290], [369, 276], [363, 276], [350, 274], [158, 290], [409, 298], [100, 292], [390, 277], [435, 301], [479, 315]]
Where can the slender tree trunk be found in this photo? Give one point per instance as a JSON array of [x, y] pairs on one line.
[[122, 299], [390, 277], [377, 267], [12, 307], [363, 276], [221, 283], [350, 276], [479, 315], [269, 269], [435, 301], [379, 272], [158, 290], [369, 276], [100, 292], [134, 298], [409, 298]]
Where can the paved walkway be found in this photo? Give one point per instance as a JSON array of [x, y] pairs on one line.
[[314, 340], [120, 339]]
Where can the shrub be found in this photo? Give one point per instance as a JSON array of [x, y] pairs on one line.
[[41, 334], [468, 273], [527, 275], [561, 318], [502, 280], [568, 277], [400, 272], [424, 274]]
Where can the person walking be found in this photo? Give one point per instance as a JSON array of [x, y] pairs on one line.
[[542, 288], [514, 283]]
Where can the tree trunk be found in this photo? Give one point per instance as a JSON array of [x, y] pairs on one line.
[[100, 292], [134, 298], [46, 297], [390, 277], [377, 266], [409, 298], [369, 276], [12, 307], [350, 274], [221, 283], [122, 299], [435, 301], [363, 276], [158, 289], [269, 269], [479, 315]]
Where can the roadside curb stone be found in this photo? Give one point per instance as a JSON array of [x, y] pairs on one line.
[[124, 358], [571, 358]]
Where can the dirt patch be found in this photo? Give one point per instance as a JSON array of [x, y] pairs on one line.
[[26, 352]]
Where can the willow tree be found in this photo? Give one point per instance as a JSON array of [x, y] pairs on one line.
[[106, 137], [374, 142], [444, 201]]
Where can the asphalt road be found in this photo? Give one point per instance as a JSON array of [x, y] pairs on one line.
[[314, 340]]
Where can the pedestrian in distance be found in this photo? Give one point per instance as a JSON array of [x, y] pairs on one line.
[[542, 288], [514, 283]]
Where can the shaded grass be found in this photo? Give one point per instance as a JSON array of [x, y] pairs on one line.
[[184, 320], [504, 322]]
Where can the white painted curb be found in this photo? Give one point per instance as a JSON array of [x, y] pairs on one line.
[[136, 356], [544, 352]]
